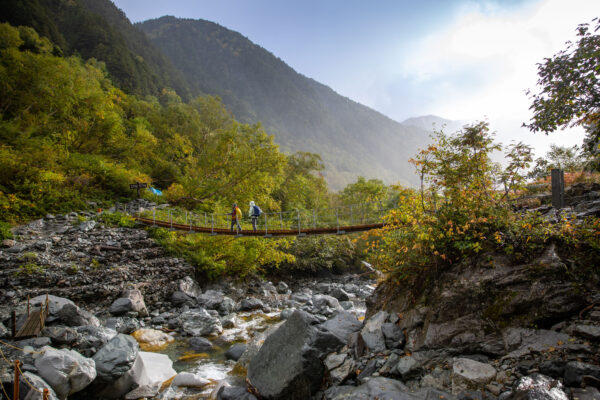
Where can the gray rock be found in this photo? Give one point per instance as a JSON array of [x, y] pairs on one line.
[[130, 300], [520, 341], [61, 335], [144, 392], [94, 337], [339, 293], [210, 299], [87, 226], [469, 374], [200, 344], [17, 248], [372, 334], [588, 393], [179, 298], [235, 352], [408, 368], [36, 382], [282, 287], [539, 387], [286, 313], [199, 322], [55, 303], [66, 371], [4, 332], [251, 304], [228, 321], [227, 306], [116, 357], [234, 393], [187, 379], [342, 325], [374, 388], [347, 305], [323, 300], [301, 297], [121, 306], [188, 286], [575, 370], [288, 365], [71, 315], [587, 331], [394, 338], [339, 374]]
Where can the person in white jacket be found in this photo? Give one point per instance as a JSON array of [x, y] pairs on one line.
[[254, 212]]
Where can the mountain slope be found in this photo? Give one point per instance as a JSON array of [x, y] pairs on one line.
[[302, 113], [97, 29]]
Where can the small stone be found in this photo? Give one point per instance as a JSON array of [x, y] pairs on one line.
[[235, 351]]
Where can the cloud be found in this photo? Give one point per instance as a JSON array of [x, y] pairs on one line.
[[485, 58]]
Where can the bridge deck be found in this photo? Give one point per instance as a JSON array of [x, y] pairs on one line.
[[260, 232]]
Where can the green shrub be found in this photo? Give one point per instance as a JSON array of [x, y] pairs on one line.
[[5, 232], [29, 269], [122, 220]]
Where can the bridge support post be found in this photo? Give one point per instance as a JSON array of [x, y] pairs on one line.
[[16, 382], [266, 225]]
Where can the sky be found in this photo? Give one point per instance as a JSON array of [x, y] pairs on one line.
[[467, 60]]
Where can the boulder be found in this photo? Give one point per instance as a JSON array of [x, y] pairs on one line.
[[116, 357], [575, 371], [200, 344], [148, 371], [408, 368], [372, 333], [323, 300], [87, 226], [251, 304], [130, 300], [469, 374], [339, 293], [587, 331], [187, 379], [66, 371], [151, 339], [282, 287], [227, 306], [342, 325], [394, 338], [179, 298], [521, 341], [539, 387], [289, 365], [374, 388], [61, 335], [199, 322], [235, 351], [210, 299], [92, 338], [588, 393], [29, 394], [55, 303], [188, 286], [234, 393], [71, 315]]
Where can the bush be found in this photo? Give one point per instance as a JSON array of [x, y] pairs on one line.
[[118, 219], [5, 232]]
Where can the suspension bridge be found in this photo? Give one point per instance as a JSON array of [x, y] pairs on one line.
[[337, 220]]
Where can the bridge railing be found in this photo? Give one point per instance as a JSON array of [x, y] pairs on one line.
[[334, 217]]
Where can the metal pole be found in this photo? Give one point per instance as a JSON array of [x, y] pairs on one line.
[[16, 383]]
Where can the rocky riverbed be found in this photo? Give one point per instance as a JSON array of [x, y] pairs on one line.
[[128, 321]]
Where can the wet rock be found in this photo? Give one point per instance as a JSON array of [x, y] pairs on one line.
[[116, 357], [539, 387], [187, 379], [200, 344], [144, 392], [235, 351], [234, 393], [151, 339], [469, 374], [66, 371], [199, 322], [251, 304], [372, 334], [288, 365], [575, 371]]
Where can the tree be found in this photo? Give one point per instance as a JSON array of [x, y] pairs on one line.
[[570, 91], [569, 159]]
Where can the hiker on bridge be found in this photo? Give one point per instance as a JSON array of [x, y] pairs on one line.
[[254, 213], [236, 216]]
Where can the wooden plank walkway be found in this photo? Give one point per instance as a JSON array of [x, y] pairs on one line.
[[35, 322], [260, 232]]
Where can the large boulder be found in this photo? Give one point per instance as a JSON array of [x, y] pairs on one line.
[[210, 299], [130, 300], [152, 339], [27, 393], [116, 357], [189, 286], [342, 325], [372, 333], [469, 374], [55, 303], [71, 315], [576, 370], [145, 377], [198, 322], [289, 364], [374, 388], [539, 387], [66, 371]]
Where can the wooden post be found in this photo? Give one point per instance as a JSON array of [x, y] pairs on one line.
[[46, 394], [16, 383], [558, 188]]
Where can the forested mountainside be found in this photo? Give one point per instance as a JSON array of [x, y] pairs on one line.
[[97, 29], [196, 57], [302, 113]]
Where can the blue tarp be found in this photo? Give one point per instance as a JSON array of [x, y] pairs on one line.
[[155, 191]]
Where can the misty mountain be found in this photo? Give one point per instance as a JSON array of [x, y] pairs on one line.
[[302, 113]]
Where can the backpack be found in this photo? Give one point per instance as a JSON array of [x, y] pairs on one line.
[[256, 211]]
